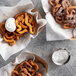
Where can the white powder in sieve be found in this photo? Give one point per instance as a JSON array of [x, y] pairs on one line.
[[60, 57]]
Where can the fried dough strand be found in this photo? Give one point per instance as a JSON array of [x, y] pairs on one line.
[[26, 68], [64, 13], [25, 23]]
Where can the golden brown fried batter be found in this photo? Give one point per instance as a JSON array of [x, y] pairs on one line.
[[25, 23], [26, 68], [64, 13]]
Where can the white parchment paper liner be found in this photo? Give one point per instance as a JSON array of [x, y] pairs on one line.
[[5, 12], [54, 31], [43, 66]]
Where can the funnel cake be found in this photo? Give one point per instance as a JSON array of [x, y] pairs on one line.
[[64, 13], [70, 17], [25, 23], [26, 68]]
